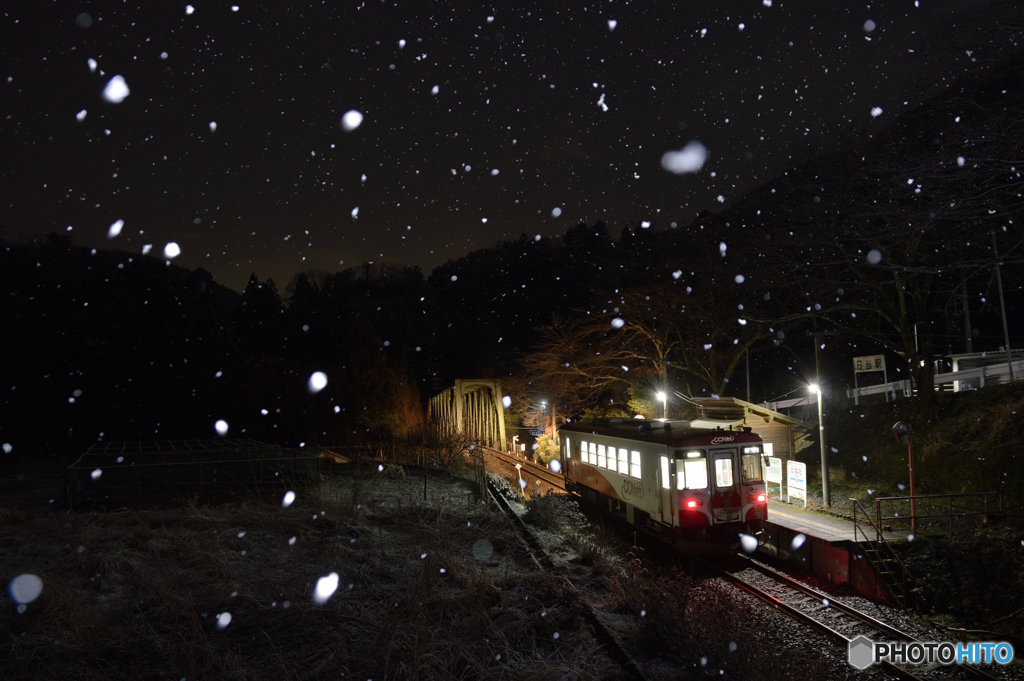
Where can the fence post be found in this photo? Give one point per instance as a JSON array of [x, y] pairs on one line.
[[950, 500], [878, 517]]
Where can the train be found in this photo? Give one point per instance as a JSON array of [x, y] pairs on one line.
[[692, 481]]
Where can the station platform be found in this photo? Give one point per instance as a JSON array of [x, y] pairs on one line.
[[825, 546], [823, 527]]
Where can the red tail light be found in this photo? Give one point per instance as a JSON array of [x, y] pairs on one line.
[[760, 498], [692, 503]]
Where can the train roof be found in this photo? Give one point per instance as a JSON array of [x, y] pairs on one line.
[[670, 433]]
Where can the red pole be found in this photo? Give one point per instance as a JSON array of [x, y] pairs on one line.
[[910, 460]]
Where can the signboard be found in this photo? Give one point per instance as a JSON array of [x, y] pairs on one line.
[[868, 363], [774, 471], [796, 472]]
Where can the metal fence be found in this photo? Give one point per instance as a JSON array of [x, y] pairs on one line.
[[931, 510], [120, 471]]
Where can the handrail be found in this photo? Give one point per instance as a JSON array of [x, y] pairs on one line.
[[880, 540], [949, 512]]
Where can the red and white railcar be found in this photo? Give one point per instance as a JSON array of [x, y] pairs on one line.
[[693, 482]]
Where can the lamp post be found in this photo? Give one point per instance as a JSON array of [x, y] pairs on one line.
[[826, 497], [664, 405]]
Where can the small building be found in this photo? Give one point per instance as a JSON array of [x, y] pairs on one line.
[[784, 436]]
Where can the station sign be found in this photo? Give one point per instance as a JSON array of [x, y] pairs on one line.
[[868, 363], [774, 471], [796, 472]]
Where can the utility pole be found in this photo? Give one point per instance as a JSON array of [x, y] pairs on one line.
[[969, 341], [1002, 308], [748, 374], [664, 387]]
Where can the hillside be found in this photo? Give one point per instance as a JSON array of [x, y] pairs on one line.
[[973, 444]]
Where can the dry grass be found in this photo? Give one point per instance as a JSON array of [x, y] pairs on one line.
[[11, 516], [136, 594]]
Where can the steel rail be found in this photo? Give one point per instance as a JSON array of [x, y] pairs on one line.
[[871, 622], [803, 618], [536, 470], [800, 616], [602, 633]]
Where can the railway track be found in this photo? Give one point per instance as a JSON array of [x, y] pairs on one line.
[[540, 557], [529, 468], [829, 616]]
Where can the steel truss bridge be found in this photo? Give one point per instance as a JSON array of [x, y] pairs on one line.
[[473, 407]]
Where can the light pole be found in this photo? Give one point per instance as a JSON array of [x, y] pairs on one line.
[[664, 405], [825, 496], [905, 436]]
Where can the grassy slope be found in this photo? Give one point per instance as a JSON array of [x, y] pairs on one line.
[[974, 443]]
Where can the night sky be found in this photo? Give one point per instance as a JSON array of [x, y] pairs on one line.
[[480, 122]]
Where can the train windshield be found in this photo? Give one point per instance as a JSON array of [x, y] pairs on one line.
[[691, 470], [752, 467], [723, 472]]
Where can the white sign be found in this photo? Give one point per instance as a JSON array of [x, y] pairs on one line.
[[868, 363], [774, 471], [797, 474]]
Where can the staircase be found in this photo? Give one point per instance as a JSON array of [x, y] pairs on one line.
[[881, 556]]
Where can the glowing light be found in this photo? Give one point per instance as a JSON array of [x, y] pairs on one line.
[[289, 498], [221, 426]]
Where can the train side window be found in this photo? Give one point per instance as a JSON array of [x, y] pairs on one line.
[[602, 461], [680, 474], [624, 462], [611, 459], [582, 451], [723, 472], [664, 473], [593, 454], [751, 468], [696, 473], [634, 468]]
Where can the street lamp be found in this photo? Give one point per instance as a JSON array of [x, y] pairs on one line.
[[826, 497], [664, 405]]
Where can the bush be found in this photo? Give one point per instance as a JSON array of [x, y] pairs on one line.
[[545, 511]]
